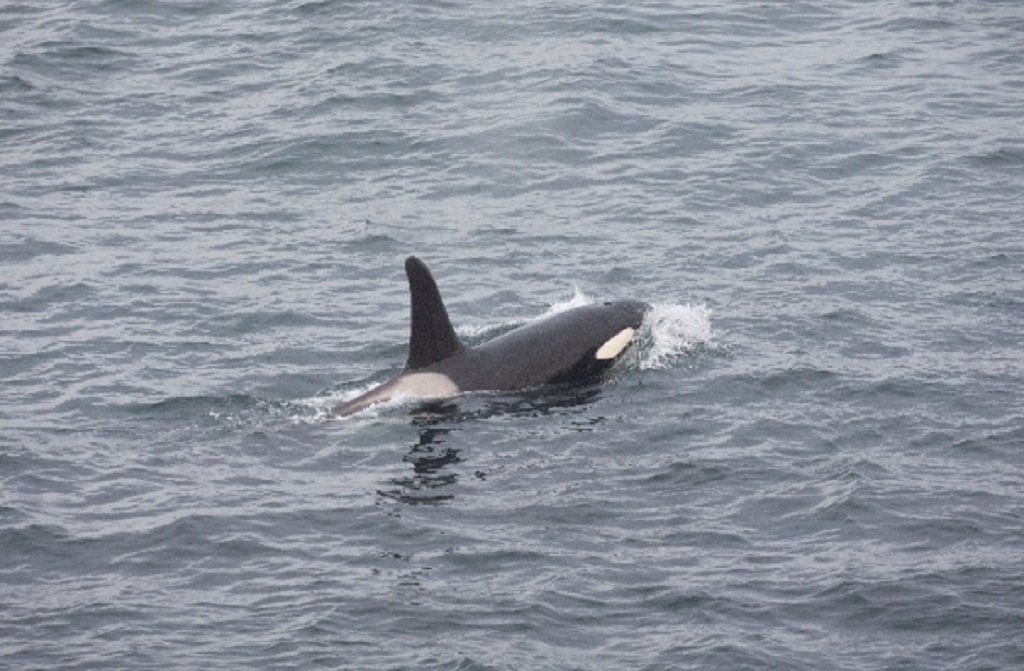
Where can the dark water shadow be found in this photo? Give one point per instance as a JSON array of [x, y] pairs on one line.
[[434, 460]]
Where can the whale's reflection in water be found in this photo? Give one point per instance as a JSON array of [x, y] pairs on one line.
[[435, 455]]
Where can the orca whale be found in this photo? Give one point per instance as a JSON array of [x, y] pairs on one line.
[[574, 346]]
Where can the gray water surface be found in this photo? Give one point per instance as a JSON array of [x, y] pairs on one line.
[[813, 460]]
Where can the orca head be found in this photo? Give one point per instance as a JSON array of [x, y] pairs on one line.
[[615, 331]]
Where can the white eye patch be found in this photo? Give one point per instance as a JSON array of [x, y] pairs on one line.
[[615, 345]]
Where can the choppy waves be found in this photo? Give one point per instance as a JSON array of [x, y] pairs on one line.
[[811, 461]]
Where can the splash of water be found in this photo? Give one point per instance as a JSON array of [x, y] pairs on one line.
[[578, 299], [672, 331]]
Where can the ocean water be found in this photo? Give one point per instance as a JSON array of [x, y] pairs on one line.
[[813, 460]]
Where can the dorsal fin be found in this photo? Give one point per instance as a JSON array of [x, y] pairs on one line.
[[431, 337]]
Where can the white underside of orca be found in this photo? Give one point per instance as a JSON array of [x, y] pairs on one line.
[[572, 346], [426, 386]]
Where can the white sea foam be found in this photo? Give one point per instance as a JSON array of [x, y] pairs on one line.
[[473, 331], [323, 405], [578, 299], [672, 331]]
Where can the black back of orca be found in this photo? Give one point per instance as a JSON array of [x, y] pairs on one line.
[[559, 349]]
